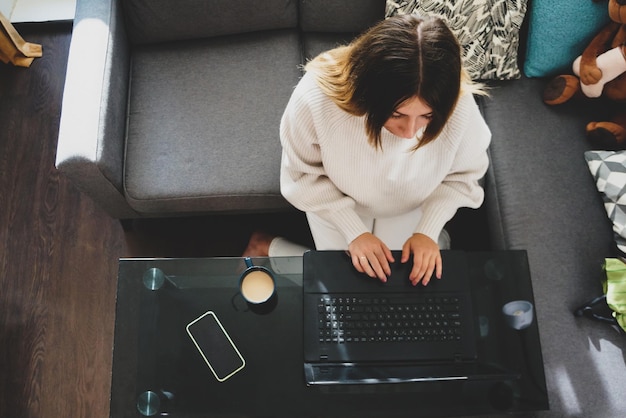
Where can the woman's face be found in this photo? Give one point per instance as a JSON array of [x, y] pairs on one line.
[[409, 118]]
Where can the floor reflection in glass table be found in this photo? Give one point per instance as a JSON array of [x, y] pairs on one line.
[[158, 370]]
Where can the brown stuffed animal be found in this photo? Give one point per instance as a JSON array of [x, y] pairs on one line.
[[600, 71]]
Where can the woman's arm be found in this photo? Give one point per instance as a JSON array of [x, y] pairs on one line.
[[303, 180], [461, 186]]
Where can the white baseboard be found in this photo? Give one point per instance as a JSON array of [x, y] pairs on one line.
[[20, 11]]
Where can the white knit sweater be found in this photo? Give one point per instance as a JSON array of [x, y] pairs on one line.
[[329, 168]]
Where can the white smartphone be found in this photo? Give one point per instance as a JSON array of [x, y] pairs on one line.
[[215, 345]]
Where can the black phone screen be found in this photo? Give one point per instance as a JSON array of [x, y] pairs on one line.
[[215, 346]]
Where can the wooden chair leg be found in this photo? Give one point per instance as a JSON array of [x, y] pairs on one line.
[[13, 48]]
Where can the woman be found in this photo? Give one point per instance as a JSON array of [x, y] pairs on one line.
[[382, 143]]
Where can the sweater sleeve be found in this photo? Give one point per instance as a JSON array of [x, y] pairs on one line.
[[303, 180], [460, 187]]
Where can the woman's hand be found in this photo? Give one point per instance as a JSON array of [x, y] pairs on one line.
[[371, 256], [426, 258]]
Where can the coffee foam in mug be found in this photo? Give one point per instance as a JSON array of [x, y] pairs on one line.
[[257, 286]]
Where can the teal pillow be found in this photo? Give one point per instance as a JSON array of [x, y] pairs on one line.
[[559, 31]]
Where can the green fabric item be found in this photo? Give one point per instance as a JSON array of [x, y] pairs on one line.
[[615, 289]]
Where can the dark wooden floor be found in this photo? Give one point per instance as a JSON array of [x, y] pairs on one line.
[[58, 252]]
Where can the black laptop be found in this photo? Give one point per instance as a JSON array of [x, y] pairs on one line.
[[358, 330]]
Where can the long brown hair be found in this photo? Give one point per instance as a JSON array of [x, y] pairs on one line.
[[397, 59]]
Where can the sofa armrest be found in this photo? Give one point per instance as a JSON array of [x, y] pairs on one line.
[[90, 150]]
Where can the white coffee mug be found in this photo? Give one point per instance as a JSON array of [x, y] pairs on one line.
[[518, 314]]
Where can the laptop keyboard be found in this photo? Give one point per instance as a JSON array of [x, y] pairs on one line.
[[406, 319]]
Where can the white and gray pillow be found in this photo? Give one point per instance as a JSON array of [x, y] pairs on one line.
[[608, 169], [488, 31]]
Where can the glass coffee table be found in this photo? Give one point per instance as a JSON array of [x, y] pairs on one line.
[[158, 371]]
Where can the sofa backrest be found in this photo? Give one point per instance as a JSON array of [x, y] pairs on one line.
[[350, 16], [150, 21]]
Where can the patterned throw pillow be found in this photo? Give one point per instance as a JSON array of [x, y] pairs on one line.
[[488, 31], [608, 168]]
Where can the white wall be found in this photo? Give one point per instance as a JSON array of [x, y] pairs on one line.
[[38, 10], [6, 7]]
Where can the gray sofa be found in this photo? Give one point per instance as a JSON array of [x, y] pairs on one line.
[[172, 108], [198, 133], [541, 197]]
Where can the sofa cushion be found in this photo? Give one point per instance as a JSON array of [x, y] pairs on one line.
[[608, 169], [150, 21], [315, 43], [195, 104], [327, 24], [540, 197], [340, 16], [559, 31], [488, 31], [539, 175]]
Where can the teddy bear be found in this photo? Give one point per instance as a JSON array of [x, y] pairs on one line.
[[599, 72]]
